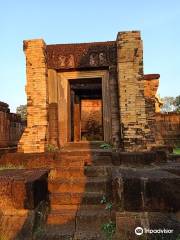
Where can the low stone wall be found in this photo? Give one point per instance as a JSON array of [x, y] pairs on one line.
[[167, 128], [11, 127]]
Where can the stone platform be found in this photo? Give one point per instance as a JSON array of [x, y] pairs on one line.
[[22, 189], [21, 193]]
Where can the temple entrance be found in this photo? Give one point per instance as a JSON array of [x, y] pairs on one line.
[[86, 110]]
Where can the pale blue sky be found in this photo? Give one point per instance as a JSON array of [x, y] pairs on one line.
[[84, 21]]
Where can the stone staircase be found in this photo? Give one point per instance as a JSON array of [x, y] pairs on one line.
[[76, 188], [145, 192]]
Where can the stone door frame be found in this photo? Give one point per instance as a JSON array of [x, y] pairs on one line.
[[64, 102]]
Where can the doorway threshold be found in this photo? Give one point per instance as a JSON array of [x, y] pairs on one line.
[[84, 145]]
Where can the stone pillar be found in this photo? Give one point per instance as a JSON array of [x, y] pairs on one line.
[[113, 85], [34, 138], [135, 130], [53, 108]]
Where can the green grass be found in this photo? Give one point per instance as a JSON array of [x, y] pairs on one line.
[[176, 150]]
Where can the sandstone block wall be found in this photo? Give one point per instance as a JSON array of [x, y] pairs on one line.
[[11, 127], [151, 83], [136, 133], [35, 135], [167, 128]]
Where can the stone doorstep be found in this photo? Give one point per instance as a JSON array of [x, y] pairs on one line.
[[87, 145], [148, 190], [20, 188]]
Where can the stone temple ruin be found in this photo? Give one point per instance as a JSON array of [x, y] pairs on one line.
[[90, 156], [89, 91]]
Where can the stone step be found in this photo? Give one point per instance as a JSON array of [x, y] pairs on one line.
[[87, 159], [89, 235], [172, 167], [97, 171], [83, 184], [134, 158], [82, 220], [77, 207], [66, 172], [80, 158], [58, 233], [75, 158], [53, 232], [83, 152], [92, 220], [80, 171], [62, 217], [75, 198], [70, 161]]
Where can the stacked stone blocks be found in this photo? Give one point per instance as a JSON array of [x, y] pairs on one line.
[[131, 92], [35, 135]]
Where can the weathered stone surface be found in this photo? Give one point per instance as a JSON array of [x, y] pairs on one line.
[[66, 158], [167, 128], [151, 83], [146, 190], [134, 158], [136, 135], [127, 222], [81, 55], [172, 167], [11, 127], [35, 135], [17, 227], [22, 189]]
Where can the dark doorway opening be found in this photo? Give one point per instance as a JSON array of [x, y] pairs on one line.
[[86, 110]]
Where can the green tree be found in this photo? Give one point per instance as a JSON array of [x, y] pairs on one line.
[[168, 104], [22, 111], [177, 103]]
